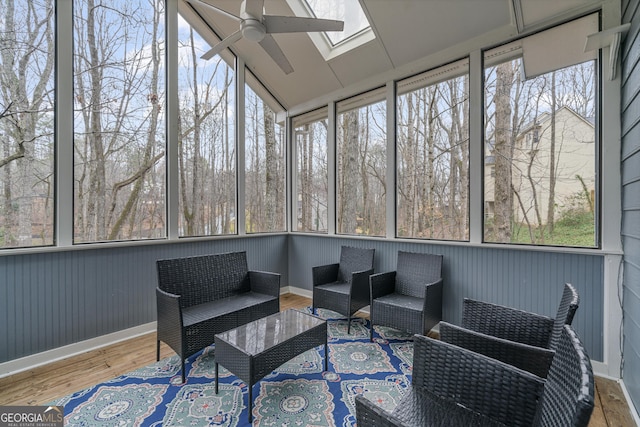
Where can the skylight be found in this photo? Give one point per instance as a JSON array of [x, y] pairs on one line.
[[357, 30], [348, 11]]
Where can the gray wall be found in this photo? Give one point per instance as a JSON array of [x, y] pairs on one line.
[[53, 299], [630, 127], [529, 280]]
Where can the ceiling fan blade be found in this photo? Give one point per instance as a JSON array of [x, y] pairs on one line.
[[269, 44], [254, 8], [215, 9], [294, 24], [225, 43]]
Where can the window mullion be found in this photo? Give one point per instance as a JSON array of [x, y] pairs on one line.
[[476, 132], [172, 122], [391, 162], [64, 124], [332, 169], [241, 147]]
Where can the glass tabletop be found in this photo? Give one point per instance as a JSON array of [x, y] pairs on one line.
[[262, 334]]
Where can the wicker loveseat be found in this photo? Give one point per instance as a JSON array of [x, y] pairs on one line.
[[200, 296], [453, 386]]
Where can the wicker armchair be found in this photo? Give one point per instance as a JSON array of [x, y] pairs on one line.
[[520, 338], [452, 386], [410, 298], [344, 287]]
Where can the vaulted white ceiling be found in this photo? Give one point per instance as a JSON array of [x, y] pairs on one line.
[[410, 35]]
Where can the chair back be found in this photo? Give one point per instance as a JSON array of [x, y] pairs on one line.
[[353, 260], [568, 394], [479, 383], [566, 310], [414, 270], [203, 278]]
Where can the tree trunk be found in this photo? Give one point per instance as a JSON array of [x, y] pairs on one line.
[[271, 170], [26, 93], [96, 226], [148, 159], [502, 151], [349, 168]]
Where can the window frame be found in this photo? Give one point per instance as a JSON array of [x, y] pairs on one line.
[[608, 168], [309, 118], [435, 76], [514, 50]]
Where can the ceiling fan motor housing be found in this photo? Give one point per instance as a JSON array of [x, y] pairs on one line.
[[253, 30]]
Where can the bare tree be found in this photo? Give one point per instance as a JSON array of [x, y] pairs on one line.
[[118, 57], [203, 143], [503, 147], [550, 143], [26, 85], [272, 181], [348, 173]]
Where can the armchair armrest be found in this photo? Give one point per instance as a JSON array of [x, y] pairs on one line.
[[265, 282], [382, 284], [325, 274], [506, 322], [432, 309], [368, 414], [484, 385], [360, 287], [536, 360], [170, 323]]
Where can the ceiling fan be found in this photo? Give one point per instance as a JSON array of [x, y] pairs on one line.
[[257, 27]]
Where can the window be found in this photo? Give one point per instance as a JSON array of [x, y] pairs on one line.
[[206, 139], [432, 141], [312, 180], [540, 133], [361, 164], [27, 123], [265, 166], [119, 122]]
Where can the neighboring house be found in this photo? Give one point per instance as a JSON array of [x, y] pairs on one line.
[[574, 172]]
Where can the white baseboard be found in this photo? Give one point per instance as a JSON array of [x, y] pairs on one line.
[[44, 358], [307, 293], [632, 408], [16, 366]]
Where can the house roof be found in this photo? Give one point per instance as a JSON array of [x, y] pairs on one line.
[[545, 117]]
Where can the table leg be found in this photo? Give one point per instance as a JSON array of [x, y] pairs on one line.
[[250, 403], [326, 353], [216, 369]]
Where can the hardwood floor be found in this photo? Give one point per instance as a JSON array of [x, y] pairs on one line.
[[46, 383]]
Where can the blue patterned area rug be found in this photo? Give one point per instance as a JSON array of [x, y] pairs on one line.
[[298, 393]]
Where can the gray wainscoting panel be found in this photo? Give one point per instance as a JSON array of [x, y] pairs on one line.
[[53, 299], [630, 96], [529, 280]]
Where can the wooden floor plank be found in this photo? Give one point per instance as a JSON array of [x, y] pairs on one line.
[[614, 405], [43, 384]]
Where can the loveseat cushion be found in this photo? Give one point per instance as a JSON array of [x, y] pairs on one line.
[[225, 306]]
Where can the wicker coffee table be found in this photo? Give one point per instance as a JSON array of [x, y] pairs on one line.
[[254, 350]]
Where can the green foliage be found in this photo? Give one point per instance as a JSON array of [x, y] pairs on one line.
[[575, 228]]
